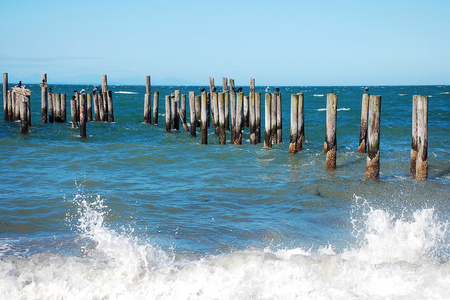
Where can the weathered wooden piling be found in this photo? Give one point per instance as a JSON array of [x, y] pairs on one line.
[[57, 107], [279, 119], [215, 112], [5, 97], [198, 110], [422, 142], [168, 113], [89, 106], [414, 148], [64, 108], [182, 118], [147, 100], [44, 98], [17, 99], [83, 110], [101, 107], [267, 121], [258, 116], [246, 112], [239, 124], [183, 108], [232, 114], [227, 110], [155, 107], [224, 84], [192, 117], [204, 126], [363, 130], [221, 113], [252, 119], [373, 145], [10, 106], [301, 122], [24, 116], [294, 124], [96, 107], [273, 118], [74, 112], [330, 145], [110, 107], [175, 114]]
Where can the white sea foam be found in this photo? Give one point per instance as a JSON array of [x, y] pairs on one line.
[[339, 109], [396, 259], [124, 92], [318, 95]]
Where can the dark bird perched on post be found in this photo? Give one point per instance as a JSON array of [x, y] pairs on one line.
[[267, 89], [239, 90], [277, 90], [50, 89], [366, 89], [20, 84], [214, 89], [233, 89], [202, 90]]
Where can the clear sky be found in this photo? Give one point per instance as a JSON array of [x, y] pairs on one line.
[[314, 42]]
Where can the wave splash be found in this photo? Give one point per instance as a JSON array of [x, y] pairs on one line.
[[394, 257]]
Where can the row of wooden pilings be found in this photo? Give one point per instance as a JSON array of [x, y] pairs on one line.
[[53, 105], [229, 110]]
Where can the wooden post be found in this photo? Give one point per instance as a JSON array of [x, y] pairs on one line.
[[204, 127], [414, 148], [363, 130], [155, 107], [212, 88], [373, 145], [192, 117], [175, 115], [89, 106], [5, 97], [422, 134], [330, 145], [215, 112], [267, 122], [279, 119], [105, 106], [168, 113], [233, 114], [258, 116], [252, 119], [96, 107], [183, 108], [208, 109], [10, 106], [148, 86], [110, 107], [24, 116], [57, 107], [252, 85], [246, 111], [27, 98], [273, 118], [147, 101], [17, 99], [239, 106], [227, 110], [224, 84], [44, 98], [232, 88], [104, 84], [64, 108], [294, 124], [221, 117], [182, 118], [74, 112], [198, 110], [100, 107], [301, 123], [83, 115]]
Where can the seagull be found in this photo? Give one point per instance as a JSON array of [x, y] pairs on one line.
[[20, 84], [267, 89], [239, 90], [202, 90], [366, 89], [82, 91]]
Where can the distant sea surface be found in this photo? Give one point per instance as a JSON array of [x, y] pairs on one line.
[[135, 212]]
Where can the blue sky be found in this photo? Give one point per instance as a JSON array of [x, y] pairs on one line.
[[318, 42]]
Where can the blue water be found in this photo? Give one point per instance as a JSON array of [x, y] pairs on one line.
[[135, 212]]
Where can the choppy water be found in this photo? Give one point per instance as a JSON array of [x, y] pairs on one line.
[[134, 212]]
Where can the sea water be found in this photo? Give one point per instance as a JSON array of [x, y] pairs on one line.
[[135, 212]]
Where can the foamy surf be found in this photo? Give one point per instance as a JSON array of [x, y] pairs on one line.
[[392, 257]]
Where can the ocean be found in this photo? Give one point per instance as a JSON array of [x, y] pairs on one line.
[[135, 212]]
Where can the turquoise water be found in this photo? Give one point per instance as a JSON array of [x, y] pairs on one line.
[[133, 211]]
